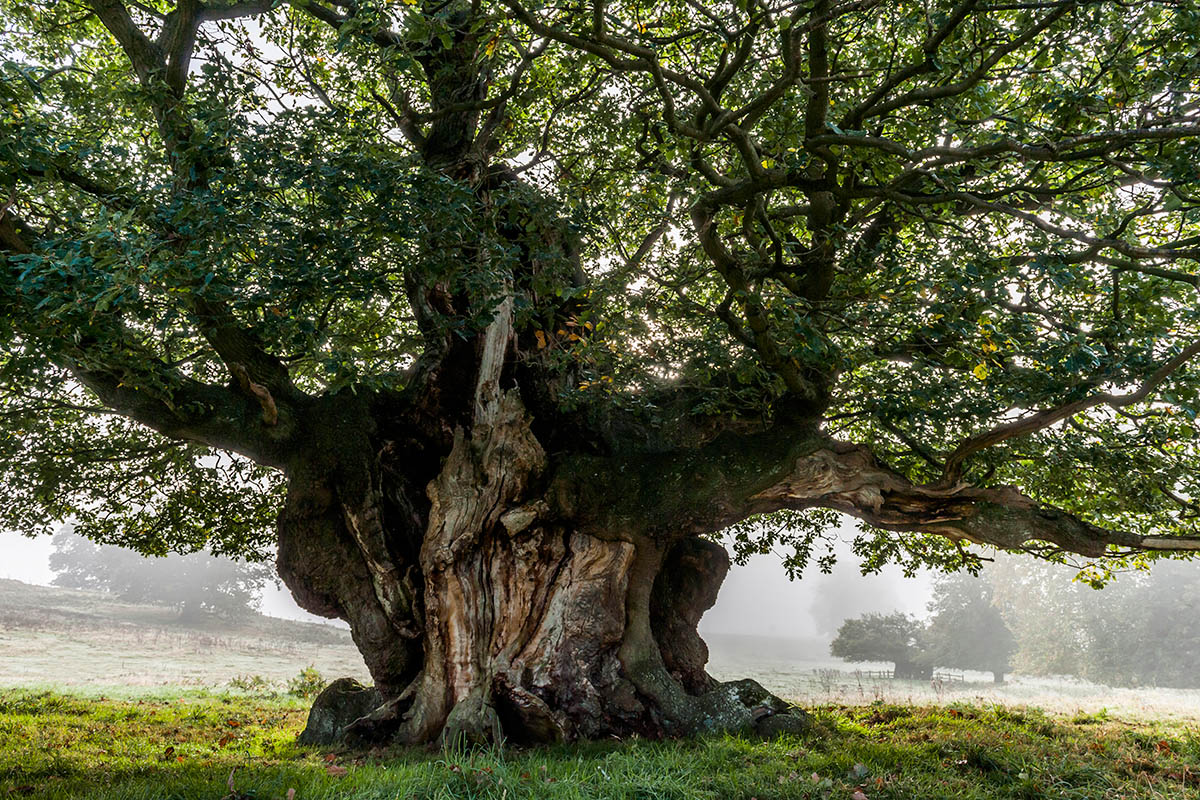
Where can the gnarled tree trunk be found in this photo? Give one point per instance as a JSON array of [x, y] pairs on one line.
[[484, 608]]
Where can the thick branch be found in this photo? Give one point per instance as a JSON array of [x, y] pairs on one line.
[[848, 478], [210, 415], [698, 491]]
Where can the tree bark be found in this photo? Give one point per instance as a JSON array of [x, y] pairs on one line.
[[509, 621], [482, 608]]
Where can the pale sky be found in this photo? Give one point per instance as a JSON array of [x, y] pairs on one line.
[[757, 599]]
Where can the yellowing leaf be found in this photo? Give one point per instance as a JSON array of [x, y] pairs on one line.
[[541, 339], [980, 371]]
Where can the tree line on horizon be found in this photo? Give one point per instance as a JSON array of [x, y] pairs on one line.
[[1029, 619], [196, 585]]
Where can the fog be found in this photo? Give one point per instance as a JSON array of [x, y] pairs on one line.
[[757, 599], [1069, 643], [28, 560]]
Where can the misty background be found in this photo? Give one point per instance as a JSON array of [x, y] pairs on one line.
[[930, 638], [757, 599]]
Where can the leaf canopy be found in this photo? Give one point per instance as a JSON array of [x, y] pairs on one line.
[[962, 233]]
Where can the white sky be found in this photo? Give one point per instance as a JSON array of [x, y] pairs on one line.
[[757, 599]]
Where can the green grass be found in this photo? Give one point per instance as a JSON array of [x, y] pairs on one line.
[[185, 744]]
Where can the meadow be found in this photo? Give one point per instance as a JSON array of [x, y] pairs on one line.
[[109, 701], [195, 744]]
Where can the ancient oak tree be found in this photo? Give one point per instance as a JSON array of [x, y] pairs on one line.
[[490, 317]]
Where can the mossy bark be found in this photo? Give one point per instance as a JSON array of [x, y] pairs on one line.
[[488, 607], [509, 621]]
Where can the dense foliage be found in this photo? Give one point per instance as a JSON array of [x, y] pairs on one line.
[[960, 233]]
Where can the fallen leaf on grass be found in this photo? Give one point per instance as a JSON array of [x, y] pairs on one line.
[[858, 794], [336, 771]]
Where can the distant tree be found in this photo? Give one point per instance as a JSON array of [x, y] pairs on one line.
[[884, 637], [1043, 608], [194, 584], [967, 630], [1141, 630]]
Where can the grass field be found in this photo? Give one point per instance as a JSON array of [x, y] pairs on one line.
[[78, 639], [87, 640], [115, 701], [192, 744]]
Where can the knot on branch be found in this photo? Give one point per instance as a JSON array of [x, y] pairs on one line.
[[260, 393]]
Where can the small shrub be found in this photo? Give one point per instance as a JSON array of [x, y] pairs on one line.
[[252, 684], [308, 683]]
